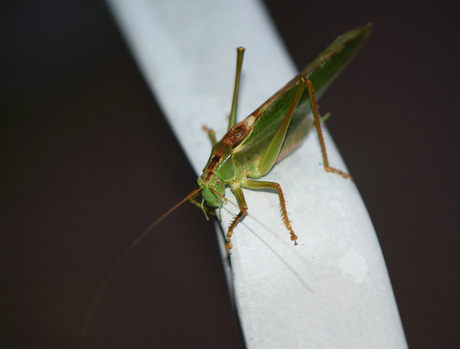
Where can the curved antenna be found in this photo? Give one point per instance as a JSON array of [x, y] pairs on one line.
[[121, 258]]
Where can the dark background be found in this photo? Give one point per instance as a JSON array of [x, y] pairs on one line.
[[87, 162]]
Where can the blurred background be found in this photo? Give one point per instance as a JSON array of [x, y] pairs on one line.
[[87, 162]]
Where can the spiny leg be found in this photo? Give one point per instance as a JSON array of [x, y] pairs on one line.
[[272, 185], [243, 208], [320, 133]]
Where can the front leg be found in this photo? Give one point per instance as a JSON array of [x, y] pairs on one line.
[[243, 208], [205, 209]]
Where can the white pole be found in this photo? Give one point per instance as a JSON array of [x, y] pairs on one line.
[[330, 291]]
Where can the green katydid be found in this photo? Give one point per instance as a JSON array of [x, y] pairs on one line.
[[253, 146]]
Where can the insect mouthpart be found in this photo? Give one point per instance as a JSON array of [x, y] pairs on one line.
[[211, 181]]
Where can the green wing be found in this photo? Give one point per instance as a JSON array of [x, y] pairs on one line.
[[322, 71]]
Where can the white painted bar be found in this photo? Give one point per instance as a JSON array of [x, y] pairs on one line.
[[333, 289]]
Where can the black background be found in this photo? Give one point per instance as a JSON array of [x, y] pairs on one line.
[[87, 162]]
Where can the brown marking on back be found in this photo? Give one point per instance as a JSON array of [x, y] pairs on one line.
[[208, 176], [236, 134], [214, 161], [233, 138]]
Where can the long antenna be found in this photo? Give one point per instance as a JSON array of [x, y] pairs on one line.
[[119, 261]]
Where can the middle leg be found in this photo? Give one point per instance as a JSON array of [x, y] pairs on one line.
[[251, 184]]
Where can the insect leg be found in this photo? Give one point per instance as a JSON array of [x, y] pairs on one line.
[[239, 64], [243, 208], [273, 149], [204, 208], [211, 134], [272, 185], [320, 133], [325, 117]]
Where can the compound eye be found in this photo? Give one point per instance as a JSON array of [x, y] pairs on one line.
[[217, 182]]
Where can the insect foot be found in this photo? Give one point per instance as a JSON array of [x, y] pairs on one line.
[[343, 174], [294, 237]]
